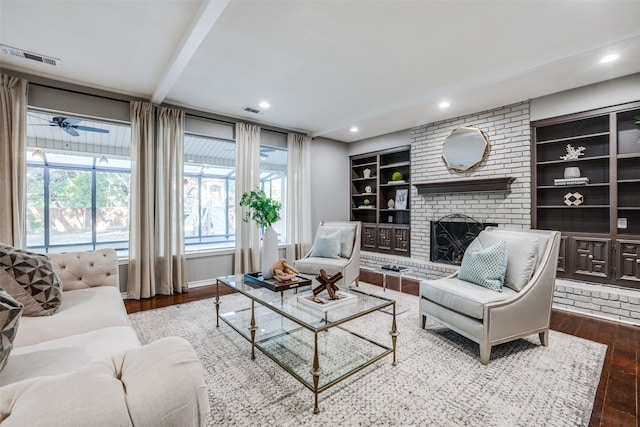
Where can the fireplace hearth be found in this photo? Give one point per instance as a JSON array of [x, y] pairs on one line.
[[451, 235]]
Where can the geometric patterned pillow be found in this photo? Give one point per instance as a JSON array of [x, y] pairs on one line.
[[484, 266], [29, 278], [10, 311]]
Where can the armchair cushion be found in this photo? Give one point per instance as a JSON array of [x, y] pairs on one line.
[[347, 234], [462, 296], [485, 265], [327, 243], [313, 265], [522, 254]]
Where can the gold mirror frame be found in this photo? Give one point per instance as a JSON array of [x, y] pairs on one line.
[[465, 148]]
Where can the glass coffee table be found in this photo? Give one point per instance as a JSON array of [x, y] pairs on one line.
[[312, 345]]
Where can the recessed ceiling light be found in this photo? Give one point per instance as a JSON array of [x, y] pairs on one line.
[[609, 58], [444, 104], [265, 104], [354, 129]]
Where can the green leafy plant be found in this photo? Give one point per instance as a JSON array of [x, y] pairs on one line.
[[262, 209], [396, 176]]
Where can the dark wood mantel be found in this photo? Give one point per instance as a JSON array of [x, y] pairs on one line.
[[479, 185]]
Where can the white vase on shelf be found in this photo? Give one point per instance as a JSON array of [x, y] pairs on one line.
[[572, 172], [366, 173], [269, 254]]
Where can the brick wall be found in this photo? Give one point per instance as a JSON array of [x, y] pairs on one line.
[[509, 135]]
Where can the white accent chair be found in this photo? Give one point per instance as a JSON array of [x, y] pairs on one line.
[[488, 317], [346, 261]]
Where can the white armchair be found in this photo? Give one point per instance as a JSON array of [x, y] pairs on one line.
[[336, 249], [488, 317]]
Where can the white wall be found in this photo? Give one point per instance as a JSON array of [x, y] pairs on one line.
[[329, 181], [604, 94]]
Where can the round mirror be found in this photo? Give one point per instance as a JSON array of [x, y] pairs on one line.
[[465, 148]]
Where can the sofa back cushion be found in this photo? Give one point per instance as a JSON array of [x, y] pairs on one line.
[[523, 250], [82, 270], [29, 278]]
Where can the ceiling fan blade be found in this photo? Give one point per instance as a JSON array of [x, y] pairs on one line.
[[90, 129], [71, 131]]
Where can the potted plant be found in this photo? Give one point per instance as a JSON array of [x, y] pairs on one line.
[[265, 212]]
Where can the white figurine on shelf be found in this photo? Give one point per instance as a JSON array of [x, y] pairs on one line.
[[573, 153]]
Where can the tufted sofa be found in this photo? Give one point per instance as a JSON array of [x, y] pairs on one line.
[[84, 365]]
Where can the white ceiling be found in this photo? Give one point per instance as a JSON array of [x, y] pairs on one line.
[[325, 66]]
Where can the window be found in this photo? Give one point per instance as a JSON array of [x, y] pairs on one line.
[[273, 173], [78, 184], [209, 192]]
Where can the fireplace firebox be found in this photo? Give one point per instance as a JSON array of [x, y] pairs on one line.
[[451, 235]]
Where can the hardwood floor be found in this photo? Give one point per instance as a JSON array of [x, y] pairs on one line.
[[617, 400]]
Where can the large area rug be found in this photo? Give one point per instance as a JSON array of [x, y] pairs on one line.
[[438, 380]]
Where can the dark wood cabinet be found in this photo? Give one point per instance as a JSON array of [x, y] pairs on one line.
[[629, 260], [380, 191], [592, 196], [592, 256]]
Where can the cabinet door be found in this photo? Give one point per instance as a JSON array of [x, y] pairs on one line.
[[592, 256], [562, 255], [629, 260], [401, 241], [385, 238], [369, 237]]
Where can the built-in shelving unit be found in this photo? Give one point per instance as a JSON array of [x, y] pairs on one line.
[[385, 227], [600, 216]]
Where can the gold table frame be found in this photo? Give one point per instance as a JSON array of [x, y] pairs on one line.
[[302, 317]]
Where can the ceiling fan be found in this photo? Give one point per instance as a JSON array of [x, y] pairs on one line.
[[72, 127]]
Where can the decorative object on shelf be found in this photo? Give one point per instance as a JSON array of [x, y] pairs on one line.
[[391, 203], [366, 202], [573, 153], [327, 283], [465, 148], [390, 218], [401, 198], [367, 189], [265, 212], [573, 199], [396, 176], [283, 271], [366, 173], [572, 172]]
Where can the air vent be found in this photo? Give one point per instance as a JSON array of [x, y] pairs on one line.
[[252, 110], [8, 50]]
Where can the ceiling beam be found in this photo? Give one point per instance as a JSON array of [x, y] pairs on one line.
[[202, 23]]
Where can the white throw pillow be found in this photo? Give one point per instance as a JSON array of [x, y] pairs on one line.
[[327, 244]]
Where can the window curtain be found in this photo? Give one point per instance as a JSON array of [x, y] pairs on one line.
[[141, 277], [247, 257], [299, 227], [171, 273], [156, 231], [13, 165]]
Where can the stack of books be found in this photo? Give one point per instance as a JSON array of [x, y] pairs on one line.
[[571, 181]]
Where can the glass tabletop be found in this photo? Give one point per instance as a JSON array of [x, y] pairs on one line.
[[288, 303]]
